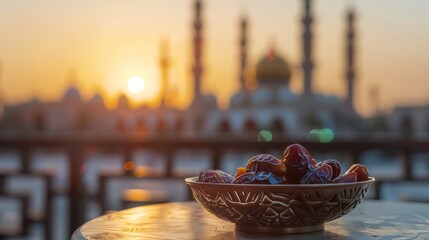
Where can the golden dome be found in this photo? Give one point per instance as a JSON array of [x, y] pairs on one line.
[[273, 70]]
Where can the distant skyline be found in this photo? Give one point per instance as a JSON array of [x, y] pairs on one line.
[[106, 42]]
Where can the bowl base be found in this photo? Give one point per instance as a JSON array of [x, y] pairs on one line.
[[306, 229]]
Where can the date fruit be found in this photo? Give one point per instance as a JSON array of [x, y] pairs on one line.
[[360, 170], [214, 176], [296, 166], [258, 178], [240, 171], [335, 165], [297, 161], [320, 175], [350, 177], [266, 163]]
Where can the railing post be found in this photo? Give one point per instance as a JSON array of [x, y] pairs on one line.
[[75, 205], [377, 189], [168, 163], [406, 165], [24, 215], [48, 207], [102, 193], [25, 160], [2, 186]]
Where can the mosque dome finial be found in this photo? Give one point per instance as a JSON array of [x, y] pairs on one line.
[[273, 70]]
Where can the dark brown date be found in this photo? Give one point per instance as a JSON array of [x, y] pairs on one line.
[[266, 163], [335, 165], [350, 177], [320, 175], [214, 176], [297, 161], [360, 170], [258, 178]]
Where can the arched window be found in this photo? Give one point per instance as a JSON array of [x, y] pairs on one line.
[[277, 125], [179, 125], [140, 126], [161, 126], [250, 125], [224, 126], [83, 122]]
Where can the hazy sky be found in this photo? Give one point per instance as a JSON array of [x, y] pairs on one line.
[[108, 41]]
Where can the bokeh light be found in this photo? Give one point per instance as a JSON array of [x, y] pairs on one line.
[[313, 135], [129, 165], [265, 136], [325, 135]]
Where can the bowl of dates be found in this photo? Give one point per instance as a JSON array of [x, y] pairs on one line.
[[291, 194]]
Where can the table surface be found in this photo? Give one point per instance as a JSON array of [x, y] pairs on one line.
[[187, 220]]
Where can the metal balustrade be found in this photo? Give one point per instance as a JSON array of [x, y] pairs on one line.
[[76, 147]]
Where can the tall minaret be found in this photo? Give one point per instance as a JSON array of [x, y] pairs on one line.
[[307, 62], [243, 53], [164, 64], [1, 99], [350, 52], [197, 68]]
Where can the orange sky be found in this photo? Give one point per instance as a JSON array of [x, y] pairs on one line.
[[107, 41]]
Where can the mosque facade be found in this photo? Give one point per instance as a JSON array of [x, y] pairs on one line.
[[272, 106]]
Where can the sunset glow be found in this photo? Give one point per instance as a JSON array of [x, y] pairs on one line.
[[136, 84]]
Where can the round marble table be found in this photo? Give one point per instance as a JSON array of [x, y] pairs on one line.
[[187, 220]]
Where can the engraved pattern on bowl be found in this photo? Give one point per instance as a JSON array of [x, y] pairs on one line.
[[279, 206]]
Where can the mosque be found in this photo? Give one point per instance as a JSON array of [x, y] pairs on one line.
[[272, 106]]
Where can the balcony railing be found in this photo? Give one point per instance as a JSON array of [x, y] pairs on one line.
[[76, 148]]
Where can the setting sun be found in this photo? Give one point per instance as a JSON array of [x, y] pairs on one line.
[[136, 84]]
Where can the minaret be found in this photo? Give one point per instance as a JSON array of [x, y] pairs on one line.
[[164, 64], [307, 62], [243, 53], [350, 52], [197, 68], [1, 99]]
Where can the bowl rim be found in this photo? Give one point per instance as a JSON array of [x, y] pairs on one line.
[[194, 181]]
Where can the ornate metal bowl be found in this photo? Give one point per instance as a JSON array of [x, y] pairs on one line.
[[285, 208]]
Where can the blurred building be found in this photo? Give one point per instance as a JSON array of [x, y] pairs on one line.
[[272, 106], [403, 121]]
